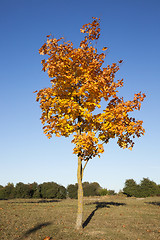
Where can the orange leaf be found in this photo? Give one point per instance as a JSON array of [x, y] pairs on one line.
[[104, 48], [47, 238]]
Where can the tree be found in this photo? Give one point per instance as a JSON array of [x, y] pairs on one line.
[[148, 188], [37, 193], [91, 189], [103, 192], [79, 83], [62, 192], [131, 188], [72, 190], [111, 192], [2, 194], [49, 189], [158, 190], [22, 190], [33, 190], [8, 192]]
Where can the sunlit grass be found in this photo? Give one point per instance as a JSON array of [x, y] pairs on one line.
[[110, 217]]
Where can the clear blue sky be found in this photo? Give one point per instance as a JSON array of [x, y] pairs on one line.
[[131, 31]]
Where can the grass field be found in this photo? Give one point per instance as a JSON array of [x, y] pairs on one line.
[[105, 218]]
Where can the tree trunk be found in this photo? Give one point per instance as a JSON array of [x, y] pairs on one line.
[[80, 195]]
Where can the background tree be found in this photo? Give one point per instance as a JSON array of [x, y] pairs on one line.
[[22, 190], [32, 189], [49, 190], [7, 192], [158, 190], [103, 191], [148, 188], [131, 188], [2, 196], [72, 190], [37, 193], [79, 83], [91, 189], [62, 192], [111, 192]]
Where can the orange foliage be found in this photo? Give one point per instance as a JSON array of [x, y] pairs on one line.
[[78, 84]]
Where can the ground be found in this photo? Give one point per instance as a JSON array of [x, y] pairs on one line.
[[105, 218]]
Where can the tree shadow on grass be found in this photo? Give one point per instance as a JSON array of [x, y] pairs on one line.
[[39, 201], [100, 205], [34, 229], [154, 203]]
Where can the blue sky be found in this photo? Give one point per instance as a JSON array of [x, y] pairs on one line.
[[130, 30]]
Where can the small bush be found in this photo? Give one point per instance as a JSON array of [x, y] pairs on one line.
[[111, 192], [103, 191]]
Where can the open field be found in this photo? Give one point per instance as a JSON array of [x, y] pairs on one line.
[[105, 218]]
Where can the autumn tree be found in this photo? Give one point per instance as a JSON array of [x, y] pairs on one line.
[[79, 83]]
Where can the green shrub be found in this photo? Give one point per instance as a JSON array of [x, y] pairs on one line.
[[62, 192], [49, 190], [131, 188], [22, 190], [147, 188], [103, 191], [91, 189], [8, 192], [2, 193], [72, 190], [111, 192], [37, 193]]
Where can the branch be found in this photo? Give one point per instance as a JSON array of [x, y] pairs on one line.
[[84, 167]]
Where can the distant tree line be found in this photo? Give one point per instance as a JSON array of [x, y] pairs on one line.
[[33, 190], [89, 189], [146, 188], [50, 190]]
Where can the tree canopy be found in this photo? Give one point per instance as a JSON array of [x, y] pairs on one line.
[[78, 84]]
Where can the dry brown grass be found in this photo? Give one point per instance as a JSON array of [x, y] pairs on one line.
[[105, 218]]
